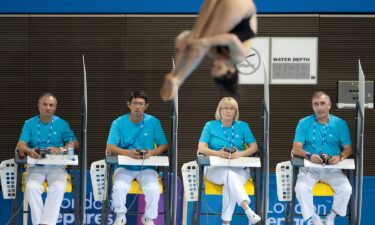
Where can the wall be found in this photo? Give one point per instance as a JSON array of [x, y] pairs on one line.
[[187, 6], [40, 53]]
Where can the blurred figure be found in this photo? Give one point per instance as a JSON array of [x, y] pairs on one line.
[[224, 30]]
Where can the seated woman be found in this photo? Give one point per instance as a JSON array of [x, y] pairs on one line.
[[227, 132], [224, 30]]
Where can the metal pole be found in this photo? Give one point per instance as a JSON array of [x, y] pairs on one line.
[[174, 155], [83, 155], [266, 116]]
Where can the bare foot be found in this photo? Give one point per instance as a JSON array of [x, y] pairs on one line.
[[170, 88]]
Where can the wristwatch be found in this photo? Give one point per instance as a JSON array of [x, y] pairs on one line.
[[308, 156]]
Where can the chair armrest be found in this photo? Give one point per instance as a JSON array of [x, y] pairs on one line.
[[20, 160]]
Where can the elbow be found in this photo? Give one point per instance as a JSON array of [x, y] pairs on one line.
[[201, 151], [108, 150]]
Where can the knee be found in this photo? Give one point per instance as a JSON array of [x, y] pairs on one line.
[[34, 187], [59, 186], [231, 178], [152, 188], [181, 40], [345, 189], [121, 187]]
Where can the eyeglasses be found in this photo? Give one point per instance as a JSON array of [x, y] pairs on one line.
[[228, 108], [140, 104]]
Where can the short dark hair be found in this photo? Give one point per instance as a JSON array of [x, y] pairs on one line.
[[138, 94], [229, 81], [47, 94]]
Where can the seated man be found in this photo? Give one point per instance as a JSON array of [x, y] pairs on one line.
[[130, 134], [45, 131], [322, 138]]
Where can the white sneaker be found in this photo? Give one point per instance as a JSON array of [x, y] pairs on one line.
[[147, 221], [120, 219], [253, 217], [329, 221]]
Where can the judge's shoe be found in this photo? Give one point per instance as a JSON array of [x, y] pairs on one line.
[[252, 216], [329, 221], [120, 219], [147, 221]]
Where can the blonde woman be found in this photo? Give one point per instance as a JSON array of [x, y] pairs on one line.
[[226, 137]]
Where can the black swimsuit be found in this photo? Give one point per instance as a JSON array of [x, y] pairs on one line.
[[230, 80], [242, 30]]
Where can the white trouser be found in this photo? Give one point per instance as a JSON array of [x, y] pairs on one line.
[[308, 177], [56, 177], [233, 180], [148, 179]]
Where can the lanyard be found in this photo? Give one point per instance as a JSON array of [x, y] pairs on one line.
[[49, 132], [227, 137], [136, 136], [323, 138]]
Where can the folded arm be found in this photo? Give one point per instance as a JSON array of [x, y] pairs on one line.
[[203, 149], [237, 49], [112, 149], [23, 149]]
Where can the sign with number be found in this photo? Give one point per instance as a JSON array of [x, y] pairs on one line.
[[294, 60]]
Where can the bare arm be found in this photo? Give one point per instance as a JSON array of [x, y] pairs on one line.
[[23, 149], [112, 149], [253, 148], [159, 150], [237, 49], [347, 151], [300, 152], [203, 149]]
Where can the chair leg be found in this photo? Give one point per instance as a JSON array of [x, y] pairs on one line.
[[25, 209], [18, 194], [77, 203], [106, 202], [197, 205], [166, 194], [184, 211]]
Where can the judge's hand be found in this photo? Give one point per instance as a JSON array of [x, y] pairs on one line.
[[315, 158], [334, 160]]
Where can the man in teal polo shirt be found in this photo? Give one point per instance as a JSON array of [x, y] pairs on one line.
[[318, 136], [128, 133], [45, 131]]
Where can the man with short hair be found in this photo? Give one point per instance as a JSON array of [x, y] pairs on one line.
[[50, 132], [129, 135], [322, 138]]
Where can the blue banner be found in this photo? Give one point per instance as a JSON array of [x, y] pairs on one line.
[[276, 211], [178, 7]]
